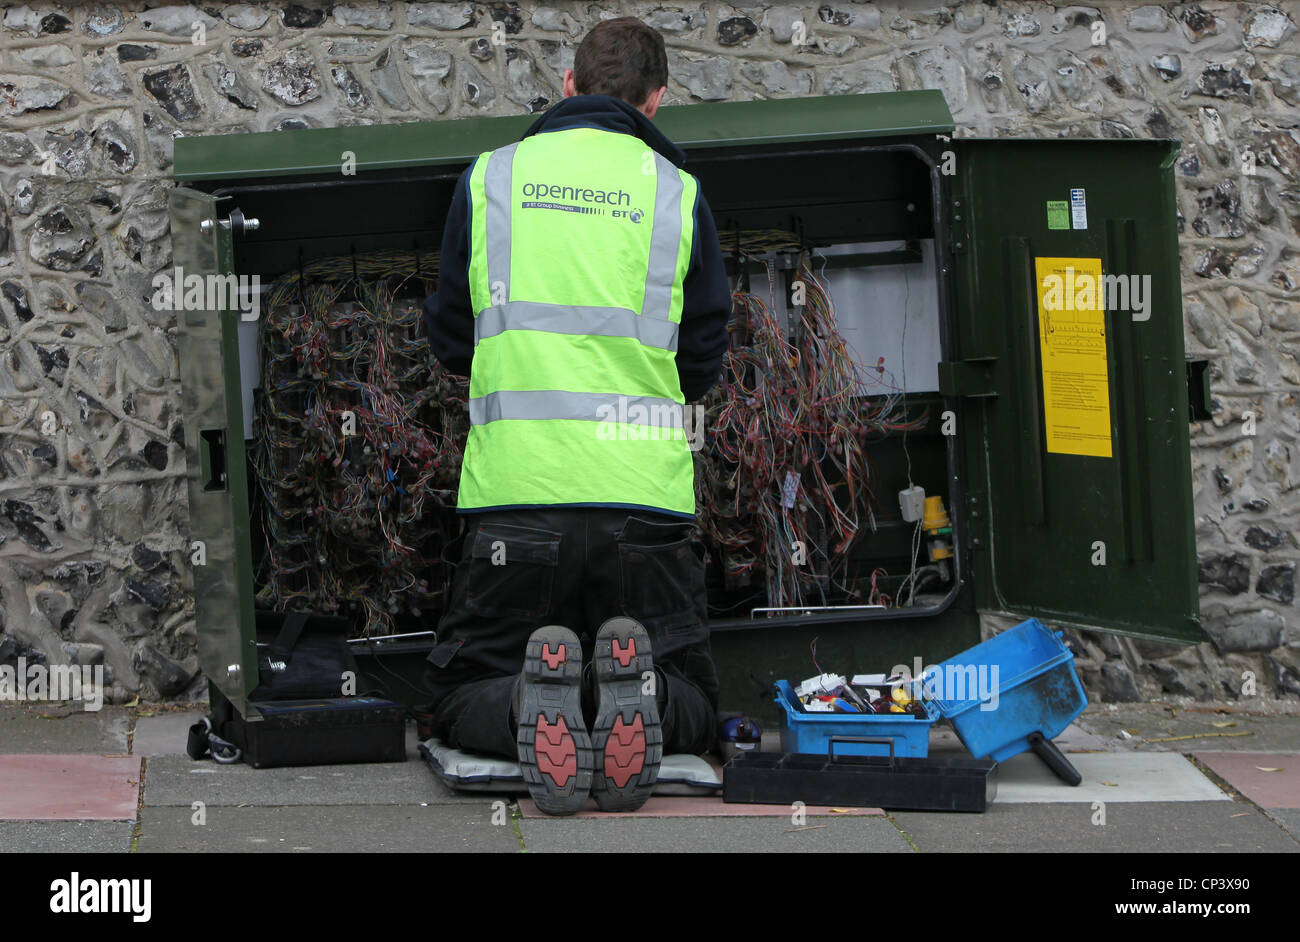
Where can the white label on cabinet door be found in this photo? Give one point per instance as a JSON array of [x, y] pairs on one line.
[[1078, 209]]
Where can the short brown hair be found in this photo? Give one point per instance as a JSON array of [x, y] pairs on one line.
[[623, 58]]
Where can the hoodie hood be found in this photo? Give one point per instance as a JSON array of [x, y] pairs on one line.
[[605, 113]]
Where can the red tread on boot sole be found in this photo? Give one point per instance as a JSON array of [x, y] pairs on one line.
[[557, 754], [624, 654], [625, 751], [553, 659]]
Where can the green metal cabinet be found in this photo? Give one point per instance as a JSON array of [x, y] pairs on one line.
[[1027, 520]]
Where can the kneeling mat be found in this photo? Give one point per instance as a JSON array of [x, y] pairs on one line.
[[468, 771]]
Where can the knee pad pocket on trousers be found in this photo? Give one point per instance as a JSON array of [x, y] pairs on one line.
[[511, 571], [661, 582]]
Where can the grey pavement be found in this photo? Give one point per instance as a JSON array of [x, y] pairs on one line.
[[180, 781], [55, 729], [345, 828], [66, 837], [162, 734], [1129, 827], [710, 835], [403, 807], [1235, 727], [1287, 818]]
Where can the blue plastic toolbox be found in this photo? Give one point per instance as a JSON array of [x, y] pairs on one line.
[[812, 732], [1014, 692], [1036, 690]]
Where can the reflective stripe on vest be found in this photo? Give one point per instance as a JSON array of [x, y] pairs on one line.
[[496, 183], [578, 407], [567, 319], [572, 206], [664, 240]]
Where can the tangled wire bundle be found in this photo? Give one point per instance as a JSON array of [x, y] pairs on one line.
[[360, 436], [359, 442], [783, 487]]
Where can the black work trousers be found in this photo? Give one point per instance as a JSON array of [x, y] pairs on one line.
[[576, 567]]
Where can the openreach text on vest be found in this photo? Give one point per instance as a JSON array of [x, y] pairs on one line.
[[554, 191], [75, 895]]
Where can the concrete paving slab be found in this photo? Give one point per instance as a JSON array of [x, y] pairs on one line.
[[694, 807], [1130, 827], [1289, 818], [413, 742], [1244, 771], [1077, 739], [66, 837], [60, 729], [619, 834], [69, 787], [179, 781], [1264, 732], [163, 734], [945, 742], [339, 829], [1107, 776]]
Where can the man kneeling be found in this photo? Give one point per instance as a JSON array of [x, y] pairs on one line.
[[582, 289]]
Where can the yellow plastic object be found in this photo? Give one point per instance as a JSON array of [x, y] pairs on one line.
[[900, 696], [940, 551], [935, 515]]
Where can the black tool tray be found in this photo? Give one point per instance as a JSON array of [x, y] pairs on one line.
[[897, 784]]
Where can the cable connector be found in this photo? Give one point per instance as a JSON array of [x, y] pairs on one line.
[[821, 684], [911, 501]]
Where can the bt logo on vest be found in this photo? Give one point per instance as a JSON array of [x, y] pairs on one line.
[[544, 196]]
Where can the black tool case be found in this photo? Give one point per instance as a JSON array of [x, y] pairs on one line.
[[333, 731], [893, 783]]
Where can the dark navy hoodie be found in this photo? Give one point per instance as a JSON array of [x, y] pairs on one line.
[[706, 302]]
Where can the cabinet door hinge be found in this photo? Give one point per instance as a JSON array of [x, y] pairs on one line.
[[972, 377]]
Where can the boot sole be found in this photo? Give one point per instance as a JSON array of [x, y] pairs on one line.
[[626, 738], [555, 752]]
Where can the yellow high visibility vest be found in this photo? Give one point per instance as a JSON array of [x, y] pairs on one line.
[[580, 241]]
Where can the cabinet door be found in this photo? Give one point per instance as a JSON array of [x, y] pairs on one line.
[[214, 448], [1073, 407]]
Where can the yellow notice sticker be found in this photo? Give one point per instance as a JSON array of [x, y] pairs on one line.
[[1072, 344]]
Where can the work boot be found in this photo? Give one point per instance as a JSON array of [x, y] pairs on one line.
[[626, 737], [554, 748]]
